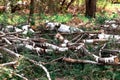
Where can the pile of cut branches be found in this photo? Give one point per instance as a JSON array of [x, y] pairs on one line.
[[13, 38]]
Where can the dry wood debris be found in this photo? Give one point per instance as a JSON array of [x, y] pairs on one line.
[[12, 38]]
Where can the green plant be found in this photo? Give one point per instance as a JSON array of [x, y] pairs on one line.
[[83, 18], [101, 19]]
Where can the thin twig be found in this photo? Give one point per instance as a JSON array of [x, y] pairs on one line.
[[75, 38], [80, 38], [11, 33]]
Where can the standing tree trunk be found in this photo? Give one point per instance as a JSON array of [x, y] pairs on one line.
[[90, 8], [30, 19]]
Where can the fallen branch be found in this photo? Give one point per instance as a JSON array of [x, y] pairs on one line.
[[67, 43], [80, 61], [10, 52], [108, 36], [108, 60], [70, 60], [9, 64], [79, 38], [60, 37], [91, 41], [14, 33], [38, 49], [60, 58], [7, 41], [75, 38], [23, 78], [54, 47], [61, 27], [11, 33], [17, 38], [64, 41], [43, 67]]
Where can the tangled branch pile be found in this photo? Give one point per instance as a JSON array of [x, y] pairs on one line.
[[14, 39]]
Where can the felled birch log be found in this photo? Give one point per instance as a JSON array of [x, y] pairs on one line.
[[61, 27], [47, 47], [91, 41], [54, 47], [24, 29], [79, 61], [70, 60], [38, 49], [108, 36], [108, 60], [62, 49]]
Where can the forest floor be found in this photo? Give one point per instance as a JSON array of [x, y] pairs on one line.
[[65, 55]]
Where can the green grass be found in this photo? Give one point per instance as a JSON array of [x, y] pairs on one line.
[[57, 17], [7, 18], [83, 18], [101, 17]]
